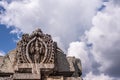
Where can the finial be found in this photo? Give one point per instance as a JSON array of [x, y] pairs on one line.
[[38, 30]]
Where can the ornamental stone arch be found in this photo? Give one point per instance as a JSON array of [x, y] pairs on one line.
[[36, 48]]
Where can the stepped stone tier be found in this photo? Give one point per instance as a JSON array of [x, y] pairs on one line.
[[37, 57]]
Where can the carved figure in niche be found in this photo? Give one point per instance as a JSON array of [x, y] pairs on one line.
[[32, 51], [35, 48], [36, 51]]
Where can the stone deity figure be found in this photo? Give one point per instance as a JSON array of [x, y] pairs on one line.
[[36, 51]]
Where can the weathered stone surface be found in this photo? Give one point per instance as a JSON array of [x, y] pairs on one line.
[[37, 57], [72, 78], [55, 78], [1, 60], [26, 76]]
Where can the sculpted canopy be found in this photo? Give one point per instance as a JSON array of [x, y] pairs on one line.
[[36, 48]]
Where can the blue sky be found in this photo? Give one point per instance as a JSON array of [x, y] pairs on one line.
[[7, 42], [88, 30]]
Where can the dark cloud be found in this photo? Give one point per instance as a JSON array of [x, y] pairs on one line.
[[116, 2], [114, 57]]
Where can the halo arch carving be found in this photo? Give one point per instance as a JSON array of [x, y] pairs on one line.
[[36, 48]]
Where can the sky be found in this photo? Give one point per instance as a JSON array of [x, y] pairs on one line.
[[86, 29]]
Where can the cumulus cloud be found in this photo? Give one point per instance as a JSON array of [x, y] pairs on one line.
[[80, 50], [66, 19], [104, 36], [105, 40]]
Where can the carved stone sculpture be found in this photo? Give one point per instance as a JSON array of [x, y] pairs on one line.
[[35, 48], [37, 57]]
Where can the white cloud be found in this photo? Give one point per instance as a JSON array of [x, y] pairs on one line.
[[66, 19], [59, 43], [80, 50], [2, 53], [105, 40], [91, 76], [104, 35]]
